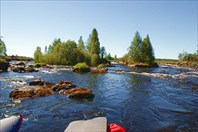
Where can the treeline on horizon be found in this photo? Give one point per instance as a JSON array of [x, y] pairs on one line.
[[71, 53]]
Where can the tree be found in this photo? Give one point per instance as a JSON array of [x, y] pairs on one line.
[[115, 57], [69, 52], [46, 50], [109, 57], [3, 49], [38, 55], [94, 44], [102, 52], [81, 45], [135, 48], [147, 54]]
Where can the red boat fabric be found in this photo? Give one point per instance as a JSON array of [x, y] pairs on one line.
[[115, 128]]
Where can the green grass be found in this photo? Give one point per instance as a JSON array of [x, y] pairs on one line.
[[166, 61]]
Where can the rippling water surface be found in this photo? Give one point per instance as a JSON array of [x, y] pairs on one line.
[[159, 99]]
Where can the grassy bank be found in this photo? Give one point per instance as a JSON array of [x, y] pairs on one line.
[[177, 62], [167, 61]]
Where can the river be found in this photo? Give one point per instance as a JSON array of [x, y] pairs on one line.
[[159, 99]]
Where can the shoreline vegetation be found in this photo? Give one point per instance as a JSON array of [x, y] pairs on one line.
[[90, 56]]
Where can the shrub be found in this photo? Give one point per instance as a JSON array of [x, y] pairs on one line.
[[81, 65], [100, 66], [39, 64]]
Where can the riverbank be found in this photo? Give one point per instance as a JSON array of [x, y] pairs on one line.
[[176, 63]]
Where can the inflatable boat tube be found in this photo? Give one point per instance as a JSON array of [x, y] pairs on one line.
[[11, 124]]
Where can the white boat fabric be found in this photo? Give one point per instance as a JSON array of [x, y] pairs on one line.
[[10, 124], [98, 124]]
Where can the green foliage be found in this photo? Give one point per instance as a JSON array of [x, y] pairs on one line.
[[3, 49], [188, 57], [38, 55], [94, 47], [94, 44], [81, 66], [81, 45], [109, 57], [135, 48], [140, 51], [70, 53], [94, 60], [100, 66], [147, 53], [125, 59], [39, 64], [102, 52]]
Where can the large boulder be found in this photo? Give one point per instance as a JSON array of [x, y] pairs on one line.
[[78, 93], [30, 91]]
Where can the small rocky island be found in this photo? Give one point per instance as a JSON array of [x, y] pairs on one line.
[[38, 88]]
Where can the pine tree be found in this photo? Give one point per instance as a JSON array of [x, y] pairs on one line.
[[102, 52], [135, 49], [94, 44], [147, 51], [94, 47], [81, 45]]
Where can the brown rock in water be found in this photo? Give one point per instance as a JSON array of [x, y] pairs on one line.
[[195, 88], [64, 82], [49, 84], [30, 68], [101, 70], [63, 85], [81, 70], [30, 91], [79, 93], [41, 88], [37, 82], [16, 68]]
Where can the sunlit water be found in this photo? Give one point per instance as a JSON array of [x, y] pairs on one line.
[[137, 99]]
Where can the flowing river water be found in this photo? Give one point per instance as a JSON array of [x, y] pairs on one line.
[[159, 99]]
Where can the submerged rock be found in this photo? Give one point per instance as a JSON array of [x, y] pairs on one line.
[[30, 91]]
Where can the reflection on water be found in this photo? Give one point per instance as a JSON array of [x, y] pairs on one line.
[[137, 99]]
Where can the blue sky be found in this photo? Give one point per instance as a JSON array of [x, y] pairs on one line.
[[171, 25]]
